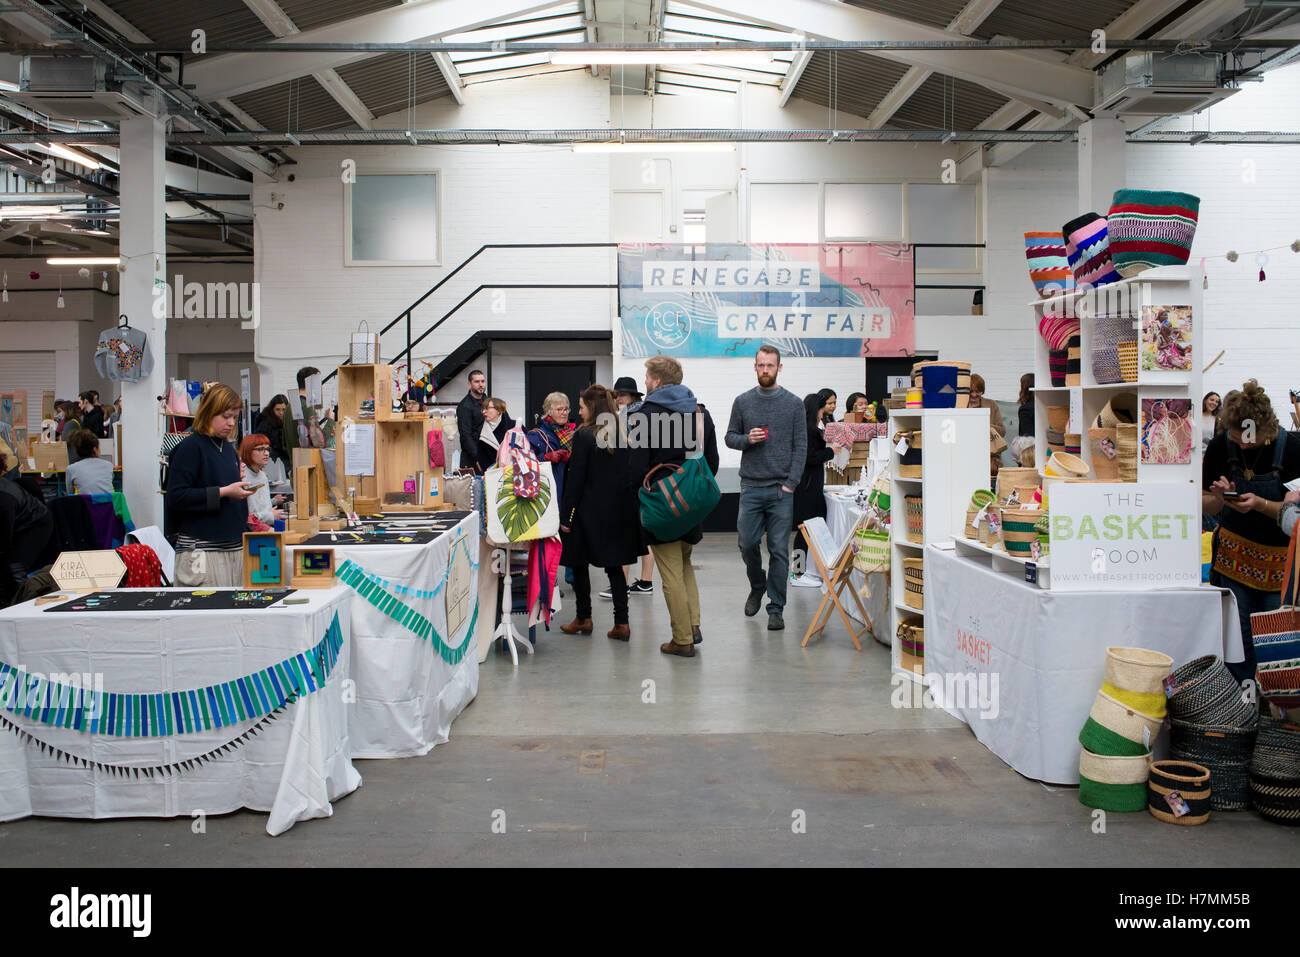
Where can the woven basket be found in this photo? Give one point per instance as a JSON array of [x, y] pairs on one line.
[[1056, 329], [962, 400], [1048, 268], [1275, 772], [1029, 494], [1087, 248], [1178, 792], [913, 577], [1057, 417], [911, 636], [1113, 783], [1011, 478], [1152, 704], [1126, 444], [1018, 531], [1107, 333], [1204, 692], [980, 499], [1065, 465], [1120, 410], [914, 399], [909, 463], [1058, 361], [1105, 453], [1138, 669], [1225, 751], [1073, 445], [1147, 228], [1117, 730], [915, 518], [1128, 360], [1074, 362]]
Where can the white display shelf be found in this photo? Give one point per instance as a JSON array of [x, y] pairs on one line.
[[1003, 562], [1162, 274], [955, 462]]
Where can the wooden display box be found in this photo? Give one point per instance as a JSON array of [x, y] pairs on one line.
[[263, 559], [313, 567], [51, 456], [358, 383]]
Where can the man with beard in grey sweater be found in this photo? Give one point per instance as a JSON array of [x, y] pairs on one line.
[[768, 427]]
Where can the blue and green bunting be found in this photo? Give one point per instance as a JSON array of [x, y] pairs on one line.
[[372, 588], [169, 713]]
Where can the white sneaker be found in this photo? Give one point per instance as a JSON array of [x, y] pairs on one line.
[[807, 581]]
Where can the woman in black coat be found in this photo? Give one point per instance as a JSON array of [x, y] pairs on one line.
[[809, 496], [599, 521]]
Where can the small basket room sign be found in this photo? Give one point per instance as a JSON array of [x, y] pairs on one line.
[[1125, 536]]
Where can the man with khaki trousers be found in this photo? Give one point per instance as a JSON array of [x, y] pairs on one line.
[[663, 430]]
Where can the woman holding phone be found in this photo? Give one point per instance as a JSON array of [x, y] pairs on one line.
[[1243, 478], [207, 508]]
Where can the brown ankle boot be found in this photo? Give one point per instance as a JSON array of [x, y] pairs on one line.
[[621, 632], [696, 637], [579, 626], [672, 648]]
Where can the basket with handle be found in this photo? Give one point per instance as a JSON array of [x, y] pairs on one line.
[[1277, 640], [872, 552], [980, 500], [911, 635]]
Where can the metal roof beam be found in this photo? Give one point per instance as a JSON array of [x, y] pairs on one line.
[[1130, 23], [794, 74], [451, 76], [235, 73], [1059, 83]]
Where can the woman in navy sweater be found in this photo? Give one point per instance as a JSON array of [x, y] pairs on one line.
[[206, 512]]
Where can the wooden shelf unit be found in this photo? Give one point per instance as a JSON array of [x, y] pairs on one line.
[[954, 463], [357, 383]]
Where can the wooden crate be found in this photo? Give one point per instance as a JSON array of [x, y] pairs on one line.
[[305, 577], [357, 383]]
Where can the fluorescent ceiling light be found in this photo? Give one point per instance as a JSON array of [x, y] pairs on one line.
[[8, 86], [8, 212], [58, 149], [662, 57], [84, 261], [697, 147]]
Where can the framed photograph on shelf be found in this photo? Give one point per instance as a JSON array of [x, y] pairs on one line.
[[1166, 338], [1167, 431]]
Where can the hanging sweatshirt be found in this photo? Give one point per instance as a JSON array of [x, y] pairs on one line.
[[122, 355]]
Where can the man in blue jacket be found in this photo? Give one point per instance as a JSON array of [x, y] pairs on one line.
[[663, 430]]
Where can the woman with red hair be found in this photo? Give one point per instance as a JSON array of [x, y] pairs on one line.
[[255, 453]]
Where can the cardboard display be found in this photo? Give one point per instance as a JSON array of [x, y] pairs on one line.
[[88, 571]]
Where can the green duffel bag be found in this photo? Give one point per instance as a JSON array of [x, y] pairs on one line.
[[681, 497]]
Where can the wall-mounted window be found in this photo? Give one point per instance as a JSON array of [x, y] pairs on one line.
[[864, 212], [393, 219], [783, 213]]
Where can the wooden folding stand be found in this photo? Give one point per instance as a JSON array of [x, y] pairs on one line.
[[837, 574]]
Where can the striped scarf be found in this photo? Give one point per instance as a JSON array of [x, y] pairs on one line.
[[563, 433]]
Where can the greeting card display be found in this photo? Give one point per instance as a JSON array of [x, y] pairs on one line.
[[1166, 431], [1166, 338]]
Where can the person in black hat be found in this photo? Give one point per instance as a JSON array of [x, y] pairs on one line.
[[628, 398]]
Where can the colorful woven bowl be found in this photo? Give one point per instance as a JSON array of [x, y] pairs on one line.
[[1057, 330], [1048, 266], [1065, 465], [1087, 247], [1178, 792], [1148, 228]]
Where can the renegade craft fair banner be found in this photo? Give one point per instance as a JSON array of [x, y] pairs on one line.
[[727, 299]]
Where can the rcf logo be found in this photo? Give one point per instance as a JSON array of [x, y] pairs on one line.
[[76, 910]]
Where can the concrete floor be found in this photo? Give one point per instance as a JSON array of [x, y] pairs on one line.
[[742, 744]]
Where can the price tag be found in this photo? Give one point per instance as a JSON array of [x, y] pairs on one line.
[[1031, 573], [902, 446], [979, 516], [1146, 737]]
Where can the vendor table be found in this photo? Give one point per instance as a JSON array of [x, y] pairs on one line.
[[149, 713], [1038, 657], [414, 670], [841, 515]]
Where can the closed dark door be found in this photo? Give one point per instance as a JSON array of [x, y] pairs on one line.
[[543, 378]]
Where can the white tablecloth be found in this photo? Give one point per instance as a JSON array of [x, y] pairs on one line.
[[297, 763], [1038, 657], [412, 677], [842, 515]]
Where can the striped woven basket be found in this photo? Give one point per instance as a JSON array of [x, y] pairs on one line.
[[1126, 445], [1074, 362], [1275, 772], [963, 379], [1073, 444], [1107, 333], [1058, 361], [1225, 751], [1152, 704], [1149, 228], [1048, 268], [1138, 669], [915, 518], [913, 578], [1178, 792], [1018, 531], [1114, 729], [911, 635], [1128, 360], [1113, 783], [1203, 691], [909, 463]]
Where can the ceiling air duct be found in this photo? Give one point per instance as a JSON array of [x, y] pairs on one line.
[[1159, 84], [76, 88]]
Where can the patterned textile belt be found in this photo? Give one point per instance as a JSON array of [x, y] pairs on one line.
[[1262, 567], [168, 713]]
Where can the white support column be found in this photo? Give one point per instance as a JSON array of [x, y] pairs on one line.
[[143, 246], [1101, 163]]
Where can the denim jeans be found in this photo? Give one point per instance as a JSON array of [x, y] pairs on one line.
[[1248, 600], [766, 509]]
